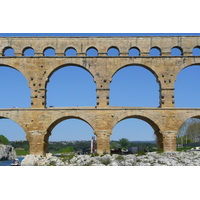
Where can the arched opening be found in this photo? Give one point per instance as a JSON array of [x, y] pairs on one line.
[[28, 51], [70, 135], [92, 52], [71, 86], [49, 51], [15, 135], [134, 86], [134, 51], [70, 52], [187, 84], [155, 51], [14, 89], [137, 131], [176, 51], [189, 134], [8, 51], [196, 51], [113, 51]]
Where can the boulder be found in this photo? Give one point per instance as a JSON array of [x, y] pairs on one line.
[[7, 152]]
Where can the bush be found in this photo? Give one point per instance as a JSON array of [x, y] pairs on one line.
[[105, 160], [3, 140]]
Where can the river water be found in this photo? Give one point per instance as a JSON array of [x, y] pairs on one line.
[[8, 162]]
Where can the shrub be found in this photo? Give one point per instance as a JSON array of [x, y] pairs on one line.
[[105, 160], [3, 140]]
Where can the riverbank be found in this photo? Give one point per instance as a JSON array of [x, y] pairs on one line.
[[190, 158]]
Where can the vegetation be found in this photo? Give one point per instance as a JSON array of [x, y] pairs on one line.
[[124, 143], [4, 140], [189, 132]]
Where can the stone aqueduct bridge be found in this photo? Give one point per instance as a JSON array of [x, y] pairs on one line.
[[38, 121]]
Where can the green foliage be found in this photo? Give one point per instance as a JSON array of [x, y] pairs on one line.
[[22, 153], [67, 149], [4, 140], [21, 144], [124, 143], [141, 153]]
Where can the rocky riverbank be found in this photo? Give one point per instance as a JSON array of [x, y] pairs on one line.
[[190, 158], [7, 152]]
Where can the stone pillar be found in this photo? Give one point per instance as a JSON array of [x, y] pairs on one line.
[[36, 143], [169, 141], [159, 139], [103, 141], [167, 80], [167, 97], [102, 92], [38, 92]]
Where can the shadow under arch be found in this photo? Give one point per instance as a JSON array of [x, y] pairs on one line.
[[153, 79], [187, 86], [16, 85], [153, 125]]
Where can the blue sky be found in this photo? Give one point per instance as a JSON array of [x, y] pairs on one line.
[[63, 83]]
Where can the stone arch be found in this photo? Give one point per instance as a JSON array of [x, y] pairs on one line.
[[134, 51], [25, 84], [6, 49], [27, 49], [155, 51], [53, 52], [156, 83], [115, 49], [196, 51], [17, 122], [63, 118], [79, 99], [149, 121], [178, 51], [67, 65], [136, 64], [179, 93], [92, 51], [68, 49]]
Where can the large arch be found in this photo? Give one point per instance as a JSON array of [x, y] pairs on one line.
[[15, 91], [187, 87], [136, 76], [83, 92], [139, 122], [11, 129], [76, 129]]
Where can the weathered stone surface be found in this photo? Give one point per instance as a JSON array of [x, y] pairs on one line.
[[7, 152], [38, 121]]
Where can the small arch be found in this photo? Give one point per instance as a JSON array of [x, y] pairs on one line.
[[28, 51], [176, 51], [70, 52], [113, 51], [134, 51], [196, 51], [92, 51], [155, 51], [49, 51], [8, 51]]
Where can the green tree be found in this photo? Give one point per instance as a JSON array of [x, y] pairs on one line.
[[3, 140], [124, 143]]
